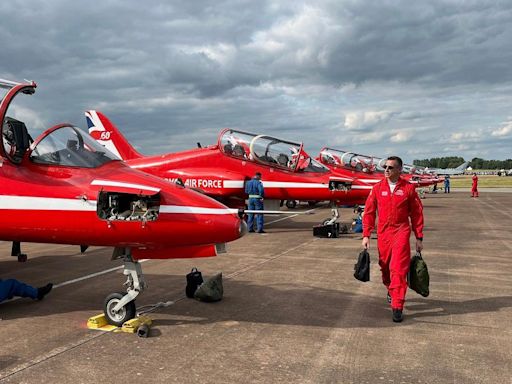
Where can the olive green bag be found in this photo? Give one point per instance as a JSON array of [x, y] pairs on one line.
[[211, 290], [418, 277]]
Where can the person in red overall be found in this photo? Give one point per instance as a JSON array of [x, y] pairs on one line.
[[474, 186], [395, 201]]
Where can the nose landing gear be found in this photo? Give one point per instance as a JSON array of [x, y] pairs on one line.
[[120, 307]]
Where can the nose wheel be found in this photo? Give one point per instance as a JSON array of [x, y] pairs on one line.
[[120, 307], [119, 317]]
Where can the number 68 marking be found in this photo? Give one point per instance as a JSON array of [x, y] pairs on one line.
[[105, 136]]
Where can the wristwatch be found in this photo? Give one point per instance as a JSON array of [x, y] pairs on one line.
[[419, 238]]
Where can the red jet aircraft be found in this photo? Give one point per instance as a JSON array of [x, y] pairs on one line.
[[370, 169], [221, 170], [66, 188]]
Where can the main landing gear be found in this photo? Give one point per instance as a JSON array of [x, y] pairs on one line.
[[120, 307], [16, 252], [329, 227]]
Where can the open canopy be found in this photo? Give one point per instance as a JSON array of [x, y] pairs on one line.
[[268, 150], [66, 145]]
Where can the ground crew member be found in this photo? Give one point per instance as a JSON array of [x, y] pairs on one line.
[[474, 186], [254, 188], [11, 287], [447, 184], [396, 201]]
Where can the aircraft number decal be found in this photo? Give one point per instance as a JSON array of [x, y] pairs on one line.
[[105, 135]]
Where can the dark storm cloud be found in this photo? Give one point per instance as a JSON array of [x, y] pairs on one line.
[[369, 76]]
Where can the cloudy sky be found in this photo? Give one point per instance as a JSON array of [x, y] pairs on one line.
[[414, 78]]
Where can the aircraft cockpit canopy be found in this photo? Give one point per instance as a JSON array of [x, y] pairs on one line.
[[349, 160], [70, 147], [268, 150]]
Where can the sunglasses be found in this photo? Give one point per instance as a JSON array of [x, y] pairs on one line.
[[390, 167]]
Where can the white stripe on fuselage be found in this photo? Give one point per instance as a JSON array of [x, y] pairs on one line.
[[274, 184], [361, 187], [46, 203], [110, 183], [25, 203]]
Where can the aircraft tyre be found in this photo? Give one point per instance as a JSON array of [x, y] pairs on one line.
[[124, 314], [291, 204]]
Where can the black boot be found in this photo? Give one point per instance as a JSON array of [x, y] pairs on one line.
[[43, 291], [397, 315]]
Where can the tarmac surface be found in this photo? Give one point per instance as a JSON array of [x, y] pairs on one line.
[[292, 311]]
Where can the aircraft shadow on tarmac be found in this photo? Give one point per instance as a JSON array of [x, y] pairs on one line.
[[282, 304]]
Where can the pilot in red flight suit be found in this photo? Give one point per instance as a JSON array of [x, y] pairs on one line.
[[395, 200], [474, 186]]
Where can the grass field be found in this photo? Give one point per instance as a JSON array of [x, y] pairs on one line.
[[484, 181]]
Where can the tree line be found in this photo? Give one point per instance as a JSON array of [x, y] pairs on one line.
[[455, 161]]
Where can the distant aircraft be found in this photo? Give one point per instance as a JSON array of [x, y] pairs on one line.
[[370, 169], [448, 171]]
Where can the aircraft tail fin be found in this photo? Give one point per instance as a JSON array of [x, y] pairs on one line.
[[107, 134], [463, 166]]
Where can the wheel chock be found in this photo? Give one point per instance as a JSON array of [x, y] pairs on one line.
[[100, 323], [131, 326], [142, 323]]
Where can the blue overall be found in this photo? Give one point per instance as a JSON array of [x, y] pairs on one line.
[[254, 188], [358, 227], [446, 185], [10, 288]]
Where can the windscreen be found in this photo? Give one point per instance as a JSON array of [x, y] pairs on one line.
[[72, 147]]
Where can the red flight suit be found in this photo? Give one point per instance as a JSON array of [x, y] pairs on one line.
[[394, 230], [474, 186]]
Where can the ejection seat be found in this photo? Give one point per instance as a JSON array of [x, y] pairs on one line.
[[16, 136]]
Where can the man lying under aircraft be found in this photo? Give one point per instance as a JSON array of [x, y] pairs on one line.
[[11, 288]]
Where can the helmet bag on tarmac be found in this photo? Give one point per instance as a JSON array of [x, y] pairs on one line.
[[362, 267], [194, 280], [418, 278]]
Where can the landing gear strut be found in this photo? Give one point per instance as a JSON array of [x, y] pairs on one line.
[[120, 307]]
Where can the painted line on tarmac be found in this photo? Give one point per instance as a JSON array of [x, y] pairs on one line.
[[78, 279], [243, 270], [289, 217]]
